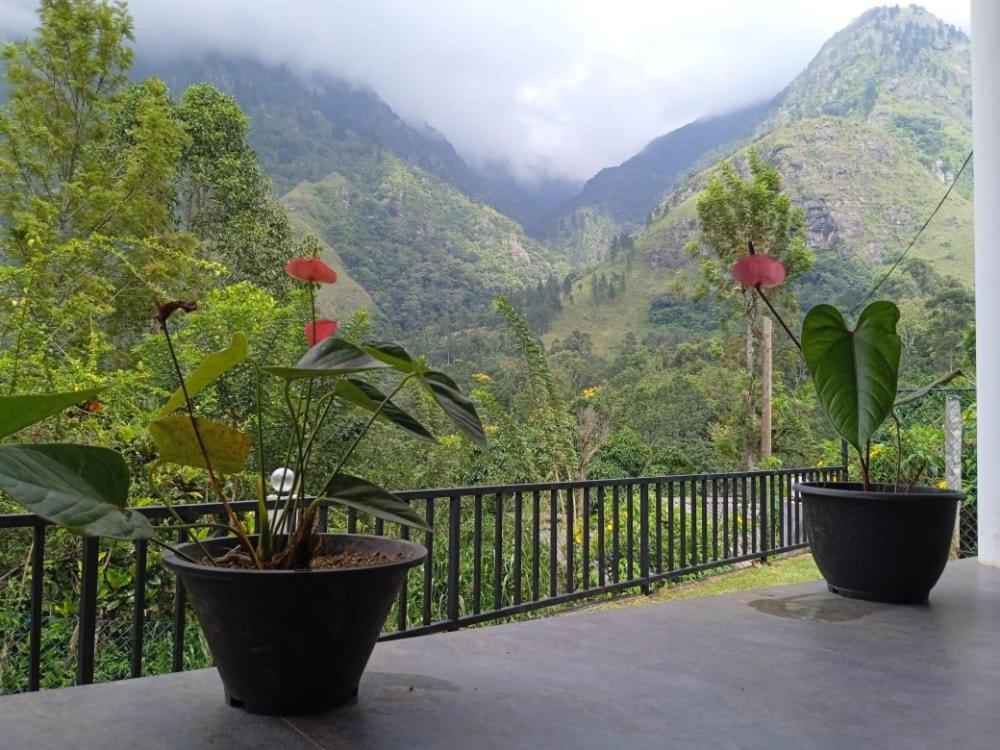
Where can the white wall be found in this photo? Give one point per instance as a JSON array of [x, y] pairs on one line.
[[985, 29]]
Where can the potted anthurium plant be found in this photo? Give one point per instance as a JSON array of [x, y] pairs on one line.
[[290, 614], [880, 539]]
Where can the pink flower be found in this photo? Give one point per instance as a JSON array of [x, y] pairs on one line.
[[310, 269], [320, 330], [759, 270]]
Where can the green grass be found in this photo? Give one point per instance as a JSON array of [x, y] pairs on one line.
[[794, 569]]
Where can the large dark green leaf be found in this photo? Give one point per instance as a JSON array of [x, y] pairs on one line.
[[369, 398], [369, 498], [393, 355], [177, 443], [855, 372], [79, 487], [332, 356], [455, 404], [18, 412], [921, 392], [213, 367]]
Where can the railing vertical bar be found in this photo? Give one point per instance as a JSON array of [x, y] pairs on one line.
[[630, 530], [454, 558], [88, 612], [352, 521], [600, 537], [37, 592], [670, 526], [139, 606], [658, 520], [744, 519], [518, 534], [704, 521], [429, 563], [379, 527], [715, 518], [402, 603], [615, 565], [725, 518], [498, 551], [585, 522], [477, 555], [644, 536], [553, 541], [324, 518], [536, 545], [570, 540], [683, 534], [180, 616]]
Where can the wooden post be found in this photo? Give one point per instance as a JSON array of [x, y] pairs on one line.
[[765, 399], [953, 458]]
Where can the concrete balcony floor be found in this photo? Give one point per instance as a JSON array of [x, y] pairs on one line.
[[789, 667]]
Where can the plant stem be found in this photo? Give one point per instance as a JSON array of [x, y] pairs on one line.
[[360, 435], [217, 486], [180, 520], [265, 522], [899, 450], [778, 317]]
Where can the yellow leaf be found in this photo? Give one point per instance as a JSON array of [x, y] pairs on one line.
[[177, 443]]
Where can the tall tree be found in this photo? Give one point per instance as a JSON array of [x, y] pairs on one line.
[[732, 212]]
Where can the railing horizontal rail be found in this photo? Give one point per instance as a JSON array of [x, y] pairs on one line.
[[497, 551]]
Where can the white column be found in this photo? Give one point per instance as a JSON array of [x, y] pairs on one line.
[[985, 29]]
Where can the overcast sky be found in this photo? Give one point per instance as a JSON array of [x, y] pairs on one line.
[[560, 87]]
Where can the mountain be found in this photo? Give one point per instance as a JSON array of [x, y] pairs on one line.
[[622, 197], [396, 207], [866, 139]]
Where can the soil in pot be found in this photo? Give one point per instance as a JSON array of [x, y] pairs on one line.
[[296, 641], [879, 545]]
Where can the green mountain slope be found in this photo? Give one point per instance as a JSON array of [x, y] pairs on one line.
[[623, 196], [390, 202], [423, 251], [866, 139]]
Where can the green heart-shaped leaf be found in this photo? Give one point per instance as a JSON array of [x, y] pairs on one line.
[[332, 356], [79, 487], [455, 404], [213, 367], [362, 495], [369, 398], [177, 443], [855, 372], [18, 412]]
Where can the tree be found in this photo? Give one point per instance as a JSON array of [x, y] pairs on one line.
[[113, 195], [734, 211], [223, 196], [86, 203]]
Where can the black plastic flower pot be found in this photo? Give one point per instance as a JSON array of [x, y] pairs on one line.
[[879, 545], [294, 641]]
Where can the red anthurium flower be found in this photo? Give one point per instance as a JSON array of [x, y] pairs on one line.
[[310, 269], [321, 329], [759, 270]]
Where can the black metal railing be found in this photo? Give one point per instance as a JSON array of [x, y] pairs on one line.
[[496, 552]]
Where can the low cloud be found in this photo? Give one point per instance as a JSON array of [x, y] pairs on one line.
[[561, 87]]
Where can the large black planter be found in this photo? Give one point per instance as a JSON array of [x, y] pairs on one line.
[[879, 546], [294, 641]]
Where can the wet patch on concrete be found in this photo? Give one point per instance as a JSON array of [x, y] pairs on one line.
[[816, 607], [406, 681]]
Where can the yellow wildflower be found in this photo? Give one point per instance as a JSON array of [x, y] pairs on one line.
[[942, 485], [589, 393], [482, 378], [490, 429]]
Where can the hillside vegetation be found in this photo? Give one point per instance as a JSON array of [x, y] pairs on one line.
[[865, 139]]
